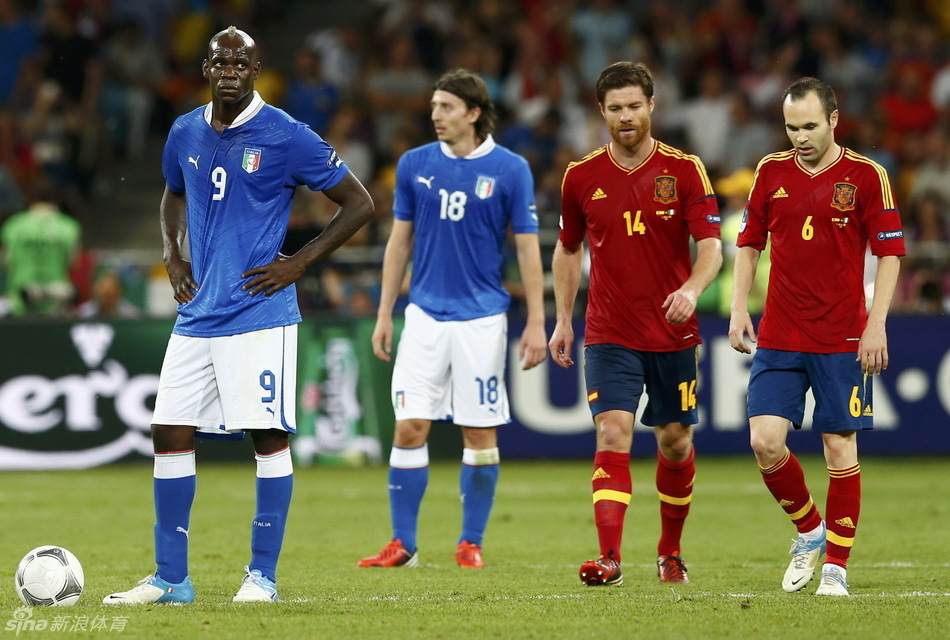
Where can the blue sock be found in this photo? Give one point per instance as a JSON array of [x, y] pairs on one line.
[[275, 484], [174, 488], [408, 477], [477, 483]]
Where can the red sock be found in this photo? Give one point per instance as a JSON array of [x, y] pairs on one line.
[[786, 481], [841, 511], [612, 487], [674, 483]]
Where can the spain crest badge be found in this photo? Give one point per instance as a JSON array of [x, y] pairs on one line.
[[843, 199], [664, 189]]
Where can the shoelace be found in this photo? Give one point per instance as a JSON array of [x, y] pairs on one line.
[[800, 548], [834, 579], [390, 550], [675, 567]]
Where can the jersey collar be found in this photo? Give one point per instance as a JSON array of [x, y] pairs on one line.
[[800, 165], [481, 150], [249, 112]]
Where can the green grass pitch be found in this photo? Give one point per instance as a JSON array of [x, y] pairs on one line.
[[735, 546]]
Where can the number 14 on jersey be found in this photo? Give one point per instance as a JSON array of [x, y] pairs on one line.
[[634, 223]]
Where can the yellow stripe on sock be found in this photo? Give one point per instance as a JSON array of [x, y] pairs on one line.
[[845, 473], [801, 512], [610, 494], [778, 465], [674, 500], [841, 541]]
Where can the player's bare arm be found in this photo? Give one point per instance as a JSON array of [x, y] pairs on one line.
[[174, 226], [872, 349], [740, 322], [681, 304], [356, 208], [395, 260], [566, 266], [533, 339]]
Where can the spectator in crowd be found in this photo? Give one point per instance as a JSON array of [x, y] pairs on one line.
[[108, 301], [705, 120], [18, 44], [343, 133], [749, 138], [310, 98], [39, 245], [906, 105], [933, 173], [399, 90], [602, 29], [888, 61], [134, 71]]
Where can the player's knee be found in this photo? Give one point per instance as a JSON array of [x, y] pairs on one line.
[[767, 450], [268, 441], [613, 437], [676, 450], [172, 437], [411, 433], [675, 441]]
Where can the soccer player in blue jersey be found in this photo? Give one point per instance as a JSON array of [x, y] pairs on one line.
[[231, 168], [455, 201]]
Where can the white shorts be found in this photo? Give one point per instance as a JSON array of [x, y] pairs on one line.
[[230, 383], [452, 370]]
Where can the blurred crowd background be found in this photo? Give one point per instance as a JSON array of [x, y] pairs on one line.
[[89, 88]]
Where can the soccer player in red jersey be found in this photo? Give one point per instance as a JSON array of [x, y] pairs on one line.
[[820, 205], [638, 202]]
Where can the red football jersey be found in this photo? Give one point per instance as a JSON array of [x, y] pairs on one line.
[[638, 223], [819, 226]]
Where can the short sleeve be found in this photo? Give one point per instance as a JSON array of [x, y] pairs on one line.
[[754, 229], [573, 225], [702, 216], [313, 162], [171, 168], [885, 231], [524, 212], [403, 202]]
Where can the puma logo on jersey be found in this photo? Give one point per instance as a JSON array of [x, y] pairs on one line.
[[193, 161], [599, 194], [426, 181], [781, 193]]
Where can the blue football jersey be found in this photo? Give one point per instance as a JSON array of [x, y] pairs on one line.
[[238, 188], [461, 209]]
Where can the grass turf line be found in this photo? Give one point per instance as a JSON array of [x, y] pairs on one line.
[[735, 545]]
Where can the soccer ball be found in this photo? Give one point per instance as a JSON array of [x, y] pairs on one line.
[[49, 576]]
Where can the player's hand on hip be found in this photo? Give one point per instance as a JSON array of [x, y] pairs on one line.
[[740, 324], [271, 278], [183, 284], [560, 345], [383, 339], [533, 347], [680, 306]]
